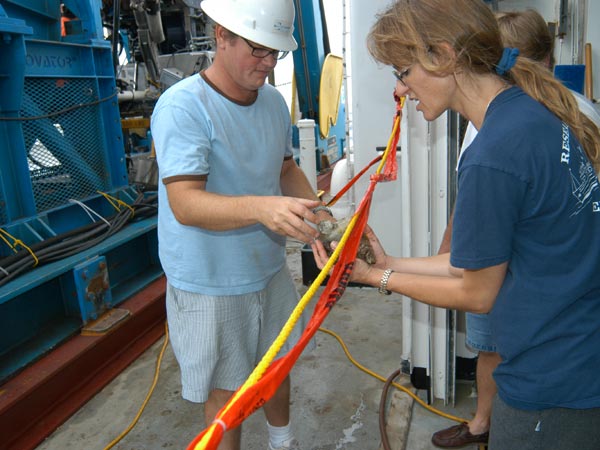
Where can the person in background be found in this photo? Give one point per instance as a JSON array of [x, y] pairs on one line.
[[528, 31], [525, 244], [229, 195]]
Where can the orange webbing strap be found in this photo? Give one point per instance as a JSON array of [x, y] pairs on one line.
[[263, 383], [354, 179], [392, 167]]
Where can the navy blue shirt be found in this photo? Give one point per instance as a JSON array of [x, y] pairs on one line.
[[528, 195]]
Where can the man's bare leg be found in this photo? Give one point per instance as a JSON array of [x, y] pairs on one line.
[[277, 410], [216, 400]]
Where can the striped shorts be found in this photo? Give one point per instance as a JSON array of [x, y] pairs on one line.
[[218, 340]]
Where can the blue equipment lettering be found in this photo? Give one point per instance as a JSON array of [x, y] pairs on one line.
[[49, 61]]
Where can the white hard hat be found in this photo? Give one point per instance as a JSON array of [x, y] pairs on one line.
[[269, 23]]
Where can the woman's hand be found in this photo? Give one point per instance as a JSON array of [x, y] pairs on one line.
[[381, 261], [361, 270], [319, 253]]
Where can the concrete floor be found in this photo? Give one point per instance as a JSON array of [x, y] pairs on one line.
[[335, 404]]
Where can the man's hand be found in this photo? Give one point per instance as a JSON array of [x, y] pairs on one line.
[[287, 216]]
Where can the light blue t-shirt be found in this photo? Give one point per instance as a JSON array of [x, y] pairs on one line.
[[199, 131], [528, 195]]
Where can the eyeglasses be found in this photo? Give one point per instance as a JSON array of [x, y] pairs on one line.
[[401, 75], [261, 52]]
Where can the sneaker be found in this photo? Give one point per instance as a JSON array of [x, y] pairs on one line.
[[292, 444]]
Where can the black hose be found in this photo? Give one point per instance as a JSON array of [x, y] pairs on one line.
[[382, 403]]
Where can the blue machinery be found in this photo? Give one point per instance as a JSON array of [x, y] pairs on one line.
[[62, 149], [310, 32], [80, 279], [62, 145]]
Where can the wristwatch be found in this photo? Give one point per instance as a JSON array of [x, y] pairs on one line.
[[384, 281]]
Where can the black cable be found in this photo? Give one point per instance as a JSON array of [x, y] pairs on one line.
[[8, 260], [62, 111], [115, 33], [83, 232], [43, 254], [326, 45], [74, 241]]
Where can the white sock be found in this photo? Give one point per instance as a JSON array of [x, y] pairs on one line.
[[279, 435]]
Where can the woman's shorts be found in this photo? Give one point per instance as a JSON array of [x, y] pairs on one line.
[[218, 340], [479, 333]]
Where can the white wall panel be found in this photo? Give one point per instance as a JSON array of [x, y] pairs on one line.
[[408, 215]]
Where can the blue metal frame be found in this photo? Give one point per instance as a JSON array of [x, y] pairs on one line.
[[12, 56], [309, 58], [45, 306], [27, 57], [44, 18], [308, 62]]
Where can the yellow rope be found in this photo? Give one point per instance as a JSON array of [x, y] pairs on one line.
[[117, 203], [389, 144], [150, 391], [17, 242], [321, 329], [262, 366]]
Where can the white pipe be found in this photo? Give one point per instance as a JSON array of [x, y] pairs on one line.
[[351, 195], [437, 333], [430, 309], [308, 157], [407, 313], [127, 96]]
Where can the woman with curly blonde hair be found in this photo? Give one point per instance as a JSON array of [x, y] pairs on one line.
[[528, 31], [525, 244]]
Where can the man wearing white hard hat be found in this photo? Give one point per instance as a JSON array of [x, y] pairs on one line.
[[230, 194]]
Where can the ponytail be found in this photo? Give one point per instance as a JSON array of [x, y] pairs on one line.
[[539, 83]]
